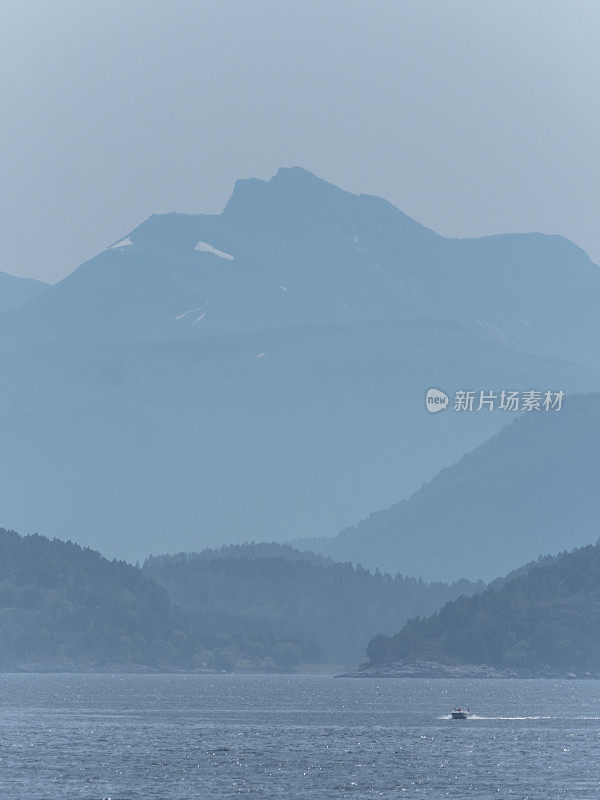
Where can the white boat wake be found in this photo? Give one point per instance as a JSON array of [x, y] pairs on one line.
[[478, 717]]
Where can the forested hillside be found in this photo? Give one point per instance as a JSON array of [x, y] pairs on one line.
[[274, 589], [544, 617], [63, 607]]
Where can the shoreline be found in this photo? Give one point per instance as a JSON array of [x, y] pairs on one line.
[[433, 669]]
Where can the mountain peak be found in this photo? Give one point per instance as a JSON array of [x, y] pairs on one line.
[[299, 176], [295, 185], [295, 171]]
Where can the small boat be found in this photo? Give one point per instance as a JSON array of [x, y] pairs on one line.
[[460, 713]]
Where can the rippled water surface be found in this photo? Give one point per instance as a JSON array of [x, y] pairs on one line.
[[187, 737]]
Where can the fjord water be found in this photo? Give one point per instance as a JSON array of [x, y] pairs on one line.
[[189, 736]]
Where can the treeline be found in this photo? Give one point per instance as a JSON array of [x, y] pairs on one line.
[[277, 590], [64, 607], [61, 604], [544, 616]]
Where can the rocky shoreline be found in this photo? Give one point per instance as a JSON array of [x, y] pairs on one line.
[[433, 669]]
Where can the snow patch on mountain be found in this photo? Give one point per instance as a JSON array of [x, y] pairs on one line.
[[186, 313], [204, 247], [123, 243]]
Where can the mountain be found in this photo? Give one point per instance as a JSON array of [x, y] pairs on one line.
[[260, 373], [15, 292], [297, 250], [272, 589], [66, 608], [546, 619], [530, 489], [135, 447]]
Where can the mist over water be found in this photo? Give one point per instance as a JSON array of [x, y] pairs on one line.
[[191, 736]]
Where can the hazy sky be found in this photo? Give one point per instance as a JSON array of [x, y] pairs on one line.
[[473, 117]]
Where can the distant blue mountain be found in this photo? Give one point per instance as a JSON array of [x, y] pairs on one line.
[[15, 292], [260, 374], [528, 491], [296, 250]]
